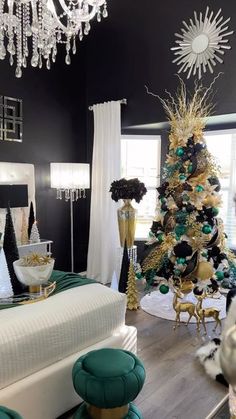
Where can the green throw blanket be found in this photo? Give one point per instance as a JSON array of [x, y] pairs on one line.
[[64, 281]]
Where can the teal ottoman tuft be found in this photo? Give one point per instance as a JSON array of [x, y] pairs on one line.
[[6, 413], [108, 380]]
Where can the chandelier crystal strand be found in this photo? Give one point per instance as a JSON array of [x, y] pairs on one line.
[[30, 30]]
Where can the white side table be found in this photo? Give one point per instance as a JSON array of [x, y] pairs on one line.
[[44, 247]]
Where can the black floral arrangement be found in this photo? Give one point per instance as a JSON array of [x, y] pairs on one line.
[[127, 189]]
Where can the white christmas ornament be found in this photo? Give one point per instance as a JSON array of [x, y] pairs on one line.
[[5, 280]]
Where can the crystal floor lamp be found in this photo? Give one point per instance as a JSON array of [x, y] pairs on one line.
[[70, 180]]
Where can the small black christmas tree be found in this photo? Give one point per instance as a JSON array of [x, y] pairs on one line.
[[11, 252], [31, 219], [124, 270]]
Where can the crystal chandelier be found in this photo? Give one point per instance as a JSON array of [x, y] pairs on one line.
[[30, 30]]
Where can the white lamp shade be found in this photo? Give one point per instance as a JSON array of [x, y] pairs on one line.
[[70, 175]]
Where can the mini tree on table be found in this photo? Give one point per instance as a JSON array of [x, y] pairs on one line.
[[190, 240], [31, 219], [24, 229], [34, 235], [131, 291], [11, 253]]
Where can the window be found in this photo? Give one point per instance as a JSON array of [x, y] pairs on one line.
[[222, 145], [140, 157]]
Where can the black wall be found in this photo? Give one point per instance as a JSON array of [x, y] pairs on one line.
[[131, 48], [124, 52], [54, 131]]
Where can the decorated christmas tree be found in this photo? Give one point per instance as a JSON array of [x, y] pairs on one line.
[[131, 291], [187, 239], [34, 235]]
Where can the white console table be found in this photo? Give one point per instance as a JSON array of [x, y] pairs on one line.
[[44, 247]]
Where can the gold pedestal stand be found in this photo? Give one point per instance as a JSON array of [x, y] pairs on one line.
[[35, 289]]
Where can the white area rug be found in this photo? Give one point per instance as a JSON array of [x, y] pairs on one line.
[[160, 305]]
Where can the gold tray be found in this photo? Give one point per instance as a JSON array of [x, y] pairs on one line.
[[29, 297]]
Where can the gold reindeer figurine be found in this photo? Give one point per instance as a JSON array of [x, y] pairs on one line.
[[182, 307], [204, 313]]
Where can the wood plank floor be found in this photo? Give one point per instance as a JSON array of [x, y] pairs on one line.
[[176, 386]]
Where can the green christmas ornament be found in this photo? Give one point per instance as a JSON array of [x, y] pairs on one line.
[[179, 151], [220, 275], [204, 254], [199, 188], [180, 261], [182, 177], [164, 289], [177, 272], [206, 229], [160, 237], [215, 211], [190, 168], [138, 275], [186, 198], [180, 229], [163, 199]]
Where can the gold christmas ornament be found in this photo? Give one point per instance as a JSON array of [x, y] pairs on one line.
[[212, 201], [204, 271], [186, 287]]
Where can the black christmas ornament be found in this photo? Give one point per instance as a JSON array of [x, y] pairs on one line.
[[183, 249], [162, 189], [197, 291], [213, 180], [214, 251], [190, 208], [198, 147], [214, 285], [190, 142], [156, 226], [164, 207], [182, 169], [185, 157], [187, 187]]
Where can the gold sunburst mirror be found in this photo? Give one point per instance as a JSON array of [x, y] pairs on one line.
[[202, 43]]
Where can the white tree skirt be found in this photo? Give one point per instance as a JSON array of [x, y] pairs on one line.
[[160, 305]]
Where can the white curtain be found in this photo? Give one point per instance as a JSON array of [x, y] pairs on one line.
[[104, 234]]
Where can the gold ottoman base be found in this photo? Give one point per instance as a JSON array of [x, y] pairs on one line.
[[116, 413]]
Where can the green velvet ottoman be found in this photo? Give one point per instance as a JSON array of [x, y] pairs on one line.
[[6, 413], [108, 380]]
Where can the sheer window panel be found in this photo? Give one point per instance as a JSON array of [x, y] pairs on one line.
[[140, 157], [222, 145]]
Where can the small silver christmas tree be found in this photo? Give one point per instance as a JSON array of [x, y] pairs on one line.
[[34, 235]]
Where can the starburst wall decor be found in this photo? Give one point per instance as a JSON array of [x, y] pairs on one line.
[[202, 43]]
